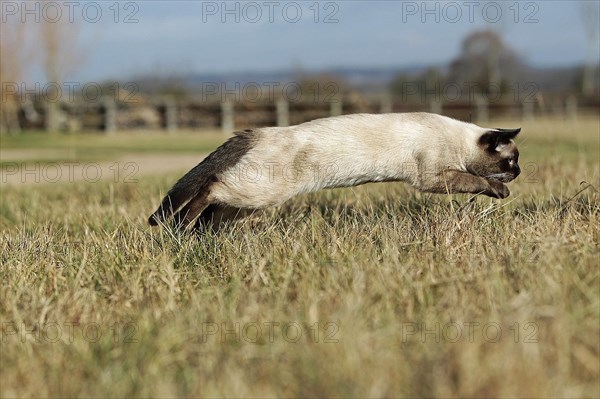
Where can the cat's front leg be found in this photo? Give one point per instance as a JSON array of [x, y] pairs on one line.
[[455, 181]]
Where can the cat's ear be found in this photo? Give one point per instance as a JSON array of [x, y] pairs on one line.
[[496, 137]]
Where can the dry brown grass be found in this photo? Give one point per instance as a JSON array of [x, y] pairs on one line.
[[369, 268]]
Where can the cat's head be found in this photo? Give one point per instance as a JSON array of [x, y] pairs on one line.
[[497, 156]]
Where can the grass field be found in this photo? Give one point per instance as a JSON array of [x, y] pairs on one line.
[[42, 147], [376, 291]]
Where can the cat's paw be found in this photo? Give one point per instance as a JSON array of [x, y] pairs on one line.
[[497, 189]]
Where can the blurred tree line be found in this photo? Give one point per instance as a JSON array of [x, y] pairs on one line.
[[486, 66]]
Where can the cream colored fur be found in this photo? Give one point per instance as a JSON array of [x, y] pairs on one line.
[[346, 151]]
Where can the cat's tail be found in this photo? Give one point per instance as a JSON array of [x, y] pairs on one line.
[[188, 197], [188, 187]]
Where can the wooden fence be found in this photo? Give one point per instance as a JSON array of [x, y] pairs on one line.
[[171, 115]]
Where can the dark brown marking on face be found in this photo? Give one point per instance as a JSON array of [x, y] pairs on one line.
[[493, 138], [499, 156]]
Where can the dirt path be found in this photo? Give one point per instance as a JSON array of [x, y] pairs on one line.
[[128, 168]]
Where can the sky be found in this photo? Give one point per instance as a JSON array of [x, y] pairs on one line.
[[128, 39]]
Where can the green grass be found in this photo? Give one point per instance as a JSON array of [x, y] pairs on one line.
[[367, 268], [98, 147]]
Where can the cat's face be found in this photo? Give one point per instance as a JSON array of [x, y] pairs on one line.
[[497, 157]]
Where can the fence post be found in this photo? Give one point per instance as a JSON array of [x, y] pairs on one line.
[[110, 116], [528, 114], [227, 115], [385, 106], [435, 107], [571, 107], [482, 109], [51, 116], [170, 115], [283, 112], [335, 107]]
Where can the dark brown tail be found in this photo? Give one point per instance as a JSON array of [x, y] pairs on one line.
[[194, 185], [187, 188]]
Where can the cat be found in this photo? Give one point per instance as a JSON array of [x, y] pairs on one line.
[[259, 168]]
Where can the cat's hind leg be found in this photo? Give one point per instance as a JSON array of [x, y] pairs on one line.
[[215, 216]]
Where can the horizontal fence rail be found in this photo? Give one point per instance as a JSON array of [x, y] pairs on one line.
[[171, 115]]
